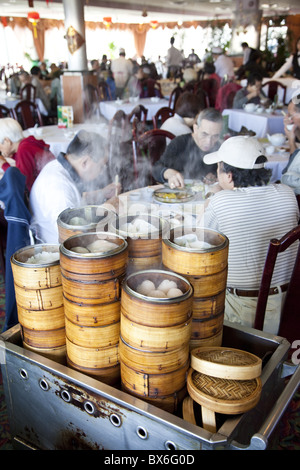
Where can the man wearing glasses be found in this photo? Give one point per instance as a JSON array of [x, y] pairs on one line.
[[183, 157]]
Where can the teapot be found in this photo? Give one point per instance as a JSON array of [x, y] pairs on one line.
[[277, 139], [250, 107]]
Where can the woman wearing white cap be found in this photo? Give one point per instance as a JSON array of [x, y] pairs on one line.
[[250, 211]]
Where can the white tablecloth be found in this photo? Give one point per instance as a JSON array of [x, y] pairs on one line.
[[59, 138], [277, 162], [261, 123], [11, 101], [292, 84], [109, 108]]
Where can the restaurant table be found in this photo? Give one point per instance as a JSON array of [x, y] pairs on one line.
[[11, 101], [59, 138], [260, 123], [292, 84], [109, 108]]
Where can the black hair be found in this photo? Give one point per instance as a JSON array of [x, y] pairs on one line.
[[188, 105], [209, 67], [253, 78], [86, 143], [242, 178], [35, 70]]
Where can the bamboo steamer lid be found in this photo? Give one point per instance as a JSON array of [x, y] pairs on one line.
[[226, 363], [223, 395]]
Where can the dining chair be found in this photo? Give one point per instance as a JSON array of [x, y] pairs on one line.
[[151, 88], [147, 150], [174, 95], [5, 112], [28, 92], [138, 117], [203, 95], [272, 89], [210, 86], [27, 113], [161, 116], [289, 327], [225, 96]]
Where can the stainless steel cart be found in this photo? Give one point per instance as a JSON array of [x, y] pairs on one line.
[[51, 406]]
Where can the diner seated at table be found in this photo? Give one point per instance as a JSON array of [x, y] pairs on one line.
[[30, 154], [187, 107], [250, 212], [292, 63], [291, 173], [64, 182], [251, 93], [25, 78], [183, 157], [56, 91]]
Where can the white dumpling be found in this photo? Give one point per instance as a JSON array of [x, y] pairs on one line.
[[79, 249], [166, 285], [141, 226], [77, 221], [174, 292], [157, 293], [145, 287], [101, 246]]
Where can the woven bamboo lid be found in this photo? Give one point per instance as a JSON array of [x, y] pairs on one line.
[[226, 363], [223, 395]]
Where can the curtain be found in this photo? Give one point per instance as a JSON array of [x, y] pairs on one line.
[[139, 34], [39, 40]]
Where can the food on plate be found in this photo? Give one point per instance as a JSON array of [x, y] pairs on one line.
[[79, 249], [43, 257], [166, 285], [174, 292], [101, 246], [145, 287]]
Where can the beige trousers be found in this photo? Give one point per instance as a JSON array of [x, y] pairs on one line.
[[241, 310]]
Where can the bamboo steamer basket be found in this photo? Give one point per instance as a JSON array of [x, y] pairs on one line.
[[89, 219], [144, 248], [206, 269], [154, 339], [39, 299], [223, 380], [91, 291]]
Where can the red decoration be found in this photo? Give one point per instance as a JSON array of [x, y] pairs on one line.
[[107, 21], [154, 24], [34, 18], [4, 21]]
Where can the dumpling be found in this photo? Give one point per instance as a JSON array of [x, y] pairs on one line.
[[166, 285], [77, 221], [157, 293], [145, 287], [79, 249], [100, 246], [174, 292]]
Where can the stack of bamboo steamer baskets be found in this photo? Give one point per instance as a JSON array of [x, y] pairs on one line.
[[91, 285], [154, 339], [145, 246], [222, 380], [206, 269], [84, 219], [39, 299]]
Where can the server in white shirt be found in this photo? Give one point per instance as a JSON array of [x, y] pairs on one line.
[[293, 62], [250, 212], [223, 64]]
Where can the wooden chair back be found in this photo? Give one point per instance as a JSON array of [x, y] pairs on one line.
[[28, 92], [161, 116], [5, 112], [290, 315], [27, 113], [272, 89], [174, 95]]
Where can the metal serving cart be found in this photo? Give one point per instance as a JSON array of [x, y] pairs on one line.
[[51, 406]]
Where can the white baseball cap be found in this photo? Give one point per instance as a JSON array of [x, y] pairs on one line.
[[240, 151]]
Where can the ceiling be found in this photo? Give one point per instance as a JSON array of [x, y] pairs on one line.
[[130, 11]]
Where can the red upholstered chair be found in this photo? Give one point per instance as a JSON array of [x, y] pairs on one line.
[[147, 149], [28, 114], [225, 96], [290, 315], [28, 92], [162, 115], [271, 88]]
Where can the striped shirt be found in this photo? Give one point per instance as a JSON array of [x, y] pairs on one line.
[[250, 218]]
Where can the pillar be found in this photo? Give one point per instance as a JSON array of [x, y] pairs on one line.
[[246, 25], [75, 33]]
